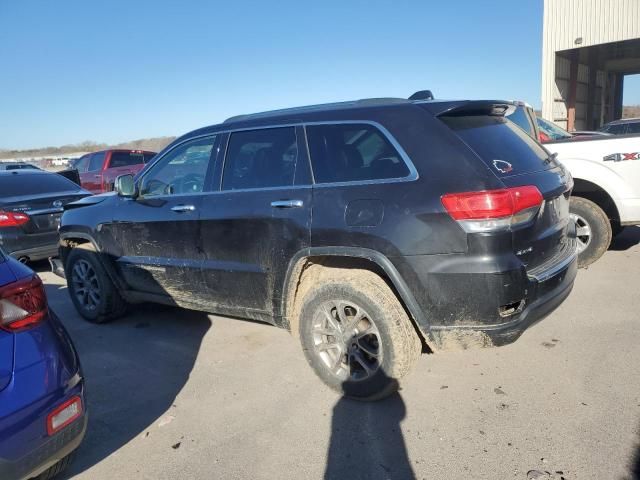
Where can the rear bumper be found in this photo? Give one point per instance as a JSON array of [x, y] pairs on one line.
[[34, 247], [47, 455], [484, 301], [548, 296]]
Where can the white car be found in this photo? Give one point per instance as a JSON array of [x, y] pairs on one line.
[[606, 172]]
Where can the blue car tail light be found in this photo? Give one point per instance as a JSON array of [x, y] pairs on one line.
[[23, 304]]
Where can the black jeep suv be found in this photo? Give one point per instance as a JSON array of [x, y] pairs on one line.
[[374, 229]]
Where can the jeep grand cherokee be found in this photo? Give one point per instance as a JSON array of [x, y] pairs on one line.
[[373, 229]]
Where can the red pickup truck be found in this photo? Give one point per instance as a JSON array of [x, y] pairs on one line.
[[98, 170]]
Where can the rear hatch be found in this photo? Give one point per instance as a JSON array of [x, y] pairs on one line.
[[517, 160], [40, 196], [6, 338]]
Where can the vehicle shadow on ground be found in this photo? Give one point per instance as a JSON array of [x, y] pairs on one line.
[[367, 441], [627, 239], [634, 467], [134, 368]]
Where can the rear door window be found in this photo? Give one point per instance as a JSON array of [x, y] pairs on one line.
[[633, 127], [82, 164], [618, 129], [264, 158], [96, 162], [353, 152], [503, 146], [126, 159]]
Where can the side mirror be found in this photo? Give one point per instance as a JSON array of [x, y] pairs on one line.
[[125, 186]]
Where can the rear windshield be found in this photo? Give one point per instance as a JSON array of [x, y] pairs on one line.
[[126, 159], [24, 166], [19, 184], [501, 144]]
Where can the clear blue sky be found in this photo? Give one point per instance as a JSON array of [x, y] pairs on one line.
[[118, 70]]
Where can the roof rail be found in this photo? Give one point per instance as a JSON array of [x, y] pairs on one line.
[[314, 108]]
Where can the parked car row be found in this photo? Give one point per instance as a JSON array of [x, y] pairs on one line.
[[606, 172], [373, 230]]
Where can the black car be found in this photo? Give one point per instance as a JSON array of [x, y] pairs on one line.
[[373, 229], [625, 126], [17, 166], [31, 203]]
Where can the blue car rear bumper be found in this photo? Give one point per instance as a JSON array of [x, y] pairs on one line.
[[46, 455], [46, 374]]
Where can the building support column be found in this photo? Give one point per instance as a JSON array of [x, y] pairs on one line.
[[573, 91], [619, 93], [592, 115]]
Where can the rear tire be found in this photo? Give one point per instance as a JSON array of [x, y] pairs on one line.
[[92, 292], [357, 336], [56, 469], [593, 230]]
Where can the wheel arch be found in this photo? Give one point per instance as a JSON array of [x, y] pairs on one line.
[[70, 240], [598, 195], [351, 257]]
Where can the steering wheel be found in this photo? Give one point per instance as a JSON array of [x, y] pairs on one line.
[[191, 183]]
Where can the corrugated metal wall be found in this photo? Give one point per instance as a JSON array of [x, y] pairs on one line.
[[595, 22]]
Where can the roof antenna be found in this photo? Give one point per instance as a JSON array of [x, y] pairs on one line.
[[422, 95]]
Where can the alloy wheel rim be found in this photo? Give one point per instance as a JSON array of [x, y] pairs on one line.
[[85, 285], [347, 340], [583, 232]]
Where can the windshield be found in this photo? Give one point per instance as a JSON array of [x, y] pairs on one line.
[[552, 131]]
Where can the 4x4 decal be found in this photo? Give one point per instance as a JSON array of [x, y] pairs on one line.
[[621, 157]]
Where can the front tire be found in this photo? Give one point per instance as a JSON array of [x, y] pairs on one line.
[[356, 335], [593, 230], [92, 292]]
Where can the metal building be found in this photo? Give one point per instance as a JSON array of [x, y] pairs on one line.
[[588, 47]]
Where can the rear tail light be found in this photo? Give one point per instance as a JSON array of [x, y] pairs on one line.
[[493, 210], [22, 304], [13, 219], [63, 415]]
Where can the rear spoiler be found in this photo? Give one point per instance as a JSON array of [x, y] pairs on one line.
[[465, 108]]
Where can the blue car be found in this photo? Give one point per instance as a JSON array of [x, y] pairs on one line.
[[42, 408]]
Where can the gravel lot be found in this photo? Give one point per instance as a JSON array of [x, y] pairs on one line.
[[175, 394]]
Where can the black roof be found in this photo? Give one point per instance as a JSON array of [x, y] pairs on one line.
[[295, 114], [323, 107], [623, 121], [26, 171]]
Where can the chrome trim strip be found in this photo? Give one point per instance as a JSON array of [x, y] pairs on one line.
[[413, 172], [43, 211]]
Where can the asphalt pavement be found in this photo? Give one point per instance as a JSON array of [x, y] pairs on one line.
[[174, 394]]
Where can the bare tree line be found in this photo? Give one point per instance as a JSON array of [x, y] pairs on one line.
[[152, 144]]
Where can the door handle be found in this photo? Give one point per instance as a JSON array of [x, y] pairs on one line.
[[287, 204], [183, 208]]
